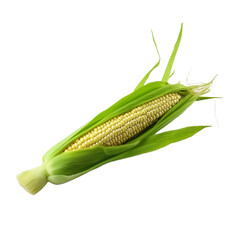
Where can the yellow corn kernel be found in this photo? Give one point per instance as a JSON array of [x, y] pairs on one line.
[[124, 127]]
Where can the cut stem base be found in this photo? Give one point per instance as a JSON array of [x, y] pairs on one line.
[[33, 180]]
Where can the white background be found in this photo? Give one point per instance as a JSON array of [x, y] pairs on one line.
[[62, 62]]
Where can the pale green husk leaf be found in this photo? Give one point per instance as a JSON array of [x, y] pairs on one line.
[[101, 155]]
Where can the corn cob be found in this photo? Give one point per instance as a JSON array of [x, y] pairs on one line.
[[128, 128], [124, 127]]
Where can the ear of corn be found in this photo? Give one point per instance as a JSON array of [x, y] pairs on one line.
[[126, 126], [125, 129], [145, 94]]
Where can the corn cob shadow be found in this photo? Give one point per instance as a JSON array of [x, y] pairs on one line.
[[126, 129]]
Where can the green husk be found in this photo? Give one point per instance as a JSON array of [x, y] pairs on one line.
[[143, 81], [59, 167], [149, 144], [167, 73]]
